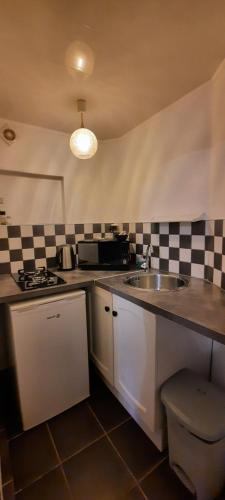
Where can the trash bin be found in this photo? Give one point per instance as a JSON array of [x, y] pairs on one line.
[[195, 411]]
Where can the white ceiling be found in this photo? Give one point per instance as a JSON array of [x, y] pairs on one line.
[[148, 54]]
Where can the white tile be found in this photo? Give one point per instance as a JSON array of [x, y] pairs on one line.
[[39, 241], [50, 251], [197, 270], [210, 227], [155, 262], [132, 247], [174, 266], [26, 231], [132, 227], [139, 259], [164, 228], [15, 243], [69, 229], [185, 255], [155, 240], [146, 227], [223, 227], [109, 236], [28, 254], [174, 240], [185, 228], [49, 229], [88, 228], [103, 227], [198, 242], [217, 275], [223, 263], [164, 252], [60, 239], [145, 249], [218, 244], [98, 236], [210, 259], [139, 238], [40, 263], [79, 237], [4, 256], [3, 231], [15, 266]]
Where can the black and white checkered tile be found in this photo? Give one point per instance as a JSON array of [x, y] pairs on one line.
[[192, 248]]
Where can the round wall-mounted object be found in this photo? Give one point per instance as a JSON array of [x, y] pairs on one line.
[[9, 134]]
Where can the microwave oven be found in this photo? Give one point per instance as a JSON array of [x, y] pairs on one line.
[[103, 254]]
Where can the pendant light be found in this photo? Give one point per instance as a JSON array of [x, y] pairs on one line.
[[83, 142]]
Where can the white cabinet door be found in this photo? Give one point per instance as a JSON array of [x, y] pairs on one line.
[[134, 359], [102, 333]]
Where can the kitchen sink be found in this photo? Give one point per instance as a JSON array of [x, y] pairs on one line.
[[157, 281]]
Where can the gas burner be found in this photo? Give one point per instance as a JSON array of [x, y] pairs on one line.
[[37, 278]]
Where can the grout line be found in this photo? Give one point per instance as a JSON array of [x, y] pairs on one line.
[[118, 425], [152, 469], [60, 462], [121, 458], [36, 479], [83, 448], [16, 436]]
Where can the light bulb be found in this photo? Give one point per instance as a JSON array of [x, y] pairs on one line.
[[79, 59], [83, 143]]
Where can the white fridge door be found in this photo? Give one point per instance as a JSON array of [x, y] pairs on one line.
[[49, 338]]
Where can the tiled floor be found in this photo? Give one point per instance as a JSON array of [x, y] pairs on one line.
[[93, 451]]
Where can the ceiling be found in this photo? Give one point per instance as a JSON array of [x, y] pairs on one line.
[[148, 54]]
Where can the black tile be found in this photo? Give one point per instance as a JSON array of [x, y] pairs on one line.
[[146, 238], [88, 236], [14, 231], [38, 230], [27, 242], [209, 273], [97, 473], [223, 246], [139, 249], [163, 484], [219, 227], [29, 265], [79, 228], [139, 227], [126, 227], [209, 243], [198, 227], [132, 237], [185, 268], [51, 262], [40, 253], [164, 264], [197, 256], [52, 486], [15, 255], [5, 268], [174, 227], [134, 494], [4, 244], [173, 253], [107, 408], [135, 447], [74, 429], [164, 240], [6, 471], [223, 281], [155, 228], [60, 229], [32, 455], [107, 227], [70, 239], [97, 228], [50, 241], [8, 491], [155, 251], [185, 241], [218, 261]]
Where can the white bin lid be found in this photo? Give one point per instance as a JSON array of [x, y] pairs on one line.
[[198, 404]]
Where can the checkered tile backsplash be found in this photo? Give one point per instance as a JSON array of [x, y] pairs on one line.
[[195, 249]]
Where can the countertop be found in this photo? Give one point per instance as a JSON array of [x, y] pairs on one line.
[[200, 306]]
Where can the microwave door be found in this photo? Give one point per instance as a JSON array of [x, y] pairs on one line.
[[88, 254]]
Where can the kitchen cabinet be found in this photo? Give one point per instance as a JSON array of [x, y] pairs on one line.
[[140, 351], [101, 342]]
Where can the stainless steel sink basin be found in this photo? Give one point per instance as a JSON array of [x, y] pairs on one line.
[[157, 282]]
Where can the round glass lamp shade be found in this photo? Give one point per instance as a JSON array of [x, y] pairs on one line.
[[83, 143]]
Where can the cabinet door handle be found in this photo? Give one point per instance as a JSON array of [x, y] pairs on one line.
[[115, 313], [107, 309]]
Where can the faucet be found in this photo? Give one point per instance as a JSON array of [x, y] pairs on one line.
[[149, 252]]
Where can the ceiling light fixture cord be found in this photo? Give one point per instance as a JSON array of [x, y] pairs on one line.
[[81, 120]]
